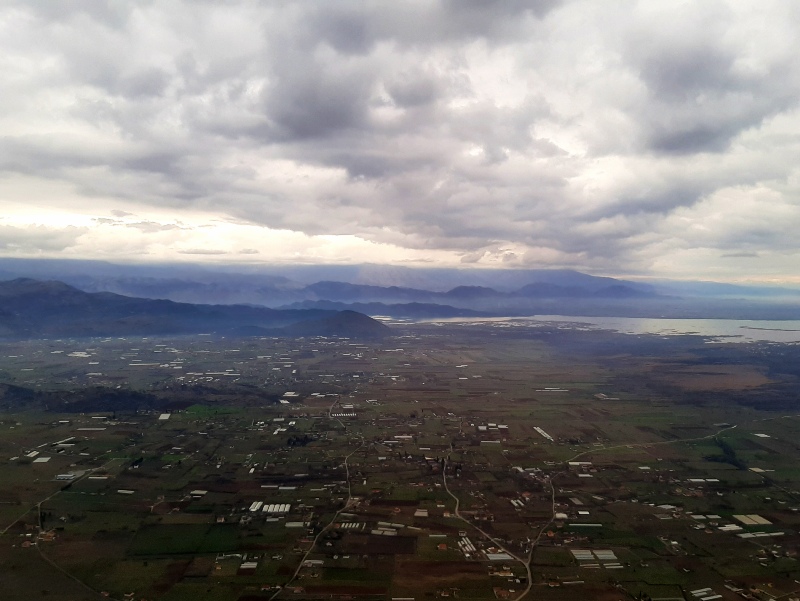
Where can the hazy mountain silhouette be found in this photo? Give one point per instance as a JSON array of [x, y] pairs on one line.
[[32, 308], [395, 290]]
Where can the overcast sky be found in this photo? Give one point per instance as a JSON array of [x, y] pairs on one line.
[[615, 137]]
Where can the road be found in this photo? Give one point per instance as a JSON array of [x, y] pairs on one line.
[[526, 562], [336, 515]]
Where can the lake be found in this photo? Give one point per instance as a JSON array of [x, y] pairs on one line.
[[721, 330]]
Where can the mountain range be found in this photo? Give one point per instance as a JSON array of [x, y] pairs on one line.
[[274, 286], [43, 309], [416, 292]]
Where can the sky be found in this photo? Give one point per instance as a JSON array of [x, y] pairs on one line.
[[651, 139]]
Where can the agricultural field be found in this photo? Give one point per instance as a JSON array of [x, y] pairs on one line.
[[474, 461]]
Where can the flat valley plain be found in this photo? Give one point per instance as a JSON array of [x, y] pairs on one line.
[[466, 460]]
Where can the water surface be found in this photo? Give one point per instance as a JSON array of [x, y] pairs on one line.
[[721, 330]]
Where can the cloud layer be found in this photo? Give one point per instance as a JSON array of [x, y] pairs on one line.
[[622, 137]]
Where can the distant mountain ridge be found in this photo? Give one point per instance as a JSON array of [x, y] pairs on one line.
[[33, 309], [277, 285], [347, 292], [415, 292]]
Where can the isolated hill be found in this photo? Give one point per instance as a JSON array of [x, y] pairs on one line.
[[32, 308], [343, 323]]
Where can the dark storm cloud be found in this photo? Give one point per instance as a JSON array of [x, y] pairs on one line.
[[313, 100], [412, 88], [357, 27], [570, 131], [703, 106], [702, 93]]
